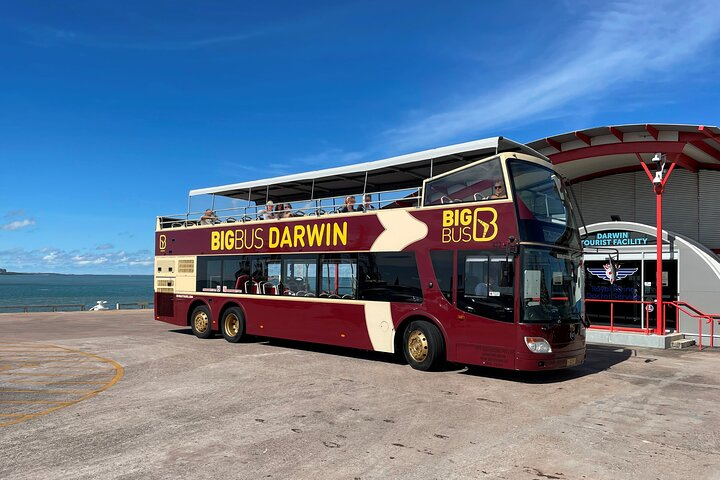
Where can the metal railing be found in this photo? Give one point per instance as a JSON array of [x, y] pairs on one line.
[[693, 312], [139, 305], [646, 329], [63, 307], [53, 308], [684, 307], [310, 208]]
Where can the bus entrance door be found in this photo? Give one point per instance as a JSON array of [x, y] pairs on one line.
[[486, 332]]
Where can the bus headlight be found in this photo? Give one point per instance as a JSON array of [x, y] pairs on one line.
[[538, 345]]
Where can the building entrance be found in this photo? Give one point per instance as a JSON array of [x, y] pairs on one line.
[[635, 281]]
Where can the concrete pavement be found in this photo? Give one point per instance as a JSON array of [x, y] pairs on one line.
[[189, 408]]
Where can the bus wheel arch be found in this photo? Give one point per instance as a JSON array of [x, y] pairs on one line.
[[232, 322], [200, 320], [422, 342]]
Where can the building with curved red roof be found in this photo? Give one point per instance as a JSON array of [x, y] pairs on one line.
[[617, 200]]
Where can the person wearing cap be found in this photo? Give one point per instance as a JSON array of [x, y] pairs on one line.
[[269, 212]]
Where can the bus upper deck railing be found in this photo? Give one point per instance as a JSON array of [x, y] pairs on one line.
[[311, 208]]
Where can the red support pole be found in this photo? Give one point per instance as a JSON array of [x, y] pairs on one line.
[[659, 317]]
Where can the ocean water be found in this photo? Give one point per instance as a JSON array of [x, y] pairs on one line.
[[50, 289]]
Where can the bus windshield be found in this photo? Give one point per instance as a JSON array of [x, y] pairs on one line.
[[552, 286], [545, 210]]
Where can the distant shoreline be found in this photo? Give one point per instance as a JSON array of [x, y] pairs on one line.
[[81, 274]]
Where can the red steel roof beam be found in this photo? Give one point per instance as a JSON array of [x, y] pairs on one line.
[[616, 149], [652, 131], [708, 133], [618, 134], [554, 143], [684, 161], [707, 149], [583, 137]]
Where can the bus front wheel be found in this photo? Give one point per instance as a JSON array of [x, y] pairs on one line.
[[233, 325], [200, 322], [423, 345]]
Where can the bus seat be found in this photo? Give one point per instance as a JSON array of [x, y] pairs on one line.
[[240, 283]]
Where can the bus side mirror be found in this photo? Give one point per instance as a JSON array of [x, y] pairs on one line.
[[511, 248]]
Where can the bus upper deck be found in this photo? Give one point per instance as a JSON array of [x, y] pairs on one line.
[[391, 183]]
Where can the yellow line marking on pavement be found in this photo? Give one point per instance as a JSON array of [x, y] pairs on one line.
[[119, 372], [12, 414]]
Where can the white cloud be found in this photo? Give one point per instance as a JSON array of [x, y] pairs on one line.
[[18, 224], [76, 261], [618, 45]]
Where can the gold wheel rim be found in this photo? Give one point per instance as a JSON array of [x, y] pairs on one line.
[[417, 345], [201, 322], [232, 324]]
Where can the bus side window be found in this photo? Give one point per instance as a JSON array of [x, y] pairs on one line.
[[209, 275], [338, 275], [389, 277], [300, 275]]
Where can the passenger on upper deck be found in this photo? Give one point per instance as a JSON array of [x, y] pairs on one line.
[[349, 205], [269, 212], [367, 203], [498, 189], [209, 218], [283, 210]]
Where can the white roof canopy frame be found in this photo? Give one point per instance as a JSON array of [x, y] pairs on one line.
[[404, 171]]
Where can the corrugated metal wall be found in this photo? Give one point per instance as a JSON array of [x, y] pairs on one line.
[[710, 208], [691, 202]]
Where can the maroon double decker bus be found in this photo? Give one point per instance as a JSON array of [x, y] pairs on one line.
[[468, 254]]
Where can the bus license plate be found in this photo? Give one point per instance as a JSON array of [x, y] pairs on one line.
[[571, 362]]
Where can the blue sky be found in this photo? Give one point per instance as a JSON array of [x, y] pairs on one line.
[[110, 112]]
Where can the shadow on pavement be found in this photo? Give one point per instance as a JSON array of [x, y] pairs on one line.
[[599, 358]]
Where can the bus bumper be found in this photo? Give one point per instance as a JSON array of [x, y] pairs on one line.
[[532, 361]]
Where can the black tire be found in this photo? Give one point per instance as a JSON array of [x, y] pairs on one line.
[[423, 345], [232, 325], [201, 322]]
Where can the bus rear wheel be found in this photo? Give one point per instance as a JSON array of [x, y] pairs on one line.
[[233, 325], [200, 322], [423, 345]]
